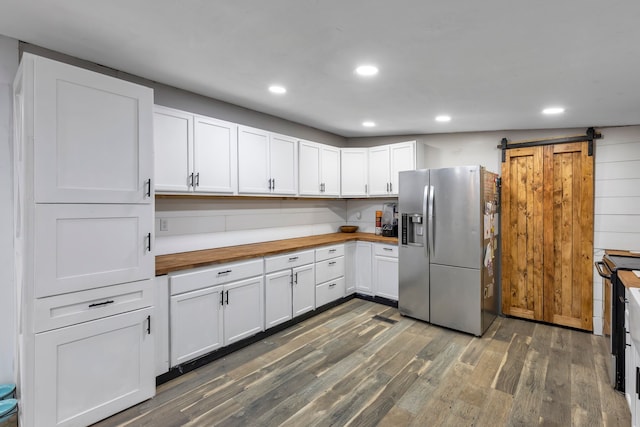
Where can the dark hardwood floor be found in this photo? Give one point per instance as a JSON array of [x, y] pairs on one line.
[[362, 364]]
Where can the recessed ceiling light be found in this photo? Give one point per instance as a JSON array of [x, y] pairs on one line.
[[367, 70], [368, 124], [443, 118], [277, 89], [553, 110]]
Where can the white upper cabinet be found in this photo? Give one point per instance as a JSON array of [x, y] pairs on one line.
[[319, 167], [385, 163], [354, 169], [267, 163], [194, 153], [92, 133]]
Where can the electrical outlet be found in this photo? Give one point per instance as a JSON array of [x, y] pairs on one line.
[[164, 224]]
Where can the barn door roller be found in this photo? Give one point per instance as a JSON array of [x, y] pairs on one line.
[[590, 136]]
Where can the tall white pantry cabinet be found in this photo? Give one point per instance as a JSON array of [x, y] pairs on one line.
[[83, 235]]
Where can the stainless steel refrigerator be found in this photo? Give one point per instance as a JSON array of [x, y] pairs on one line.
[[448, 243]]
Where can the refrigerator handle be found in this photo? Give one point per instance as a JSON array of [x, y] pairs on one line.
[[431, 220], [425, 199]]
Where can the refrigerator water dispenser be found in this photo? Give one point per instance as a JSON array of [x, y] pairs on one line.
[[412, 229]]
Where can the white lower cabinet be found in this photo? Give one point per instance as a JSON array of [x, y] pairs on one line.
[[91, 370], [385, 271], [330, 271], [363, 268], [204, 318], [289, 292]]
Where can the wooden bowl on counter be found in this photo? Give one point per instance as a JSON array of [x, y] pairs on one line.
[[348, 228]]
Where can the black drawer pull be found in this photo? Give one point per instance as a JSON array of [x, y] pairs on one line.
[[224, 272], [332, 285], [332, 263], [332, 250], [99, 304], [293, 258], [387, 249]]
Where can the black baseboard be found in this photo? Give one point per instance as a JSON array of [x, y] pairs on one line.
[[176, 371]]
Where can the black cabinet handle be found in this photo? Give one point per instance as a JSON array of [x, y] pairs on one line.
[[295, 280], [227, 298], [149, 325], [332, 285], [98, 304], [391, 187], [332, 250], [222, 298], [224, 272], [197, 180], [191, 179], [332, 263], [387, 249], [638, 382], [149, 187], [293, 258], [148, 242]]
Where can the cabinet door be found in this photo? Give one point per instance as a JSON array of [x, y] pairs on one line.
[[196, 324], [215, 156], [277, 298], [284, 164], [350, 267], [354, 179], [403, 158], [243, 309], [379, 171], [304, 292], [253, 161], [385, 277], [309, 179], [364, 269], [330, 170], [87, 246], [173, 145], [89, 371], [93, 135]]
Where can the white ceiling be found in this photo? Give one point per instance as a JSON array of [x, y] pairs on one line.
[[491, 65]]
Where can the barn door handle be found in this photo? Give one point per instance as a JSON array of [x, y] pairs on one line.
[[599, 265]]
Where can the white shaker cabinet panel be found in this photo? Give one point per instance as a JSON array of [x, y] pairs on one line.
[[173, 143], [283, 164], [92, 133], [196, 324], [385, 271], [354, 169], [304, 289], [88, 246], [330, 170], [379, 172], [253, 161], [350, 267], [278, 297], [403, 158], [243, 309], [364, 268], [92, 370], [309, 166], [215, 156]]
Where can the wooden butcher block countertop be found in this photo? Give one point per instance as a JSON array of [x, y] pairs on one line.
[[184, 260]]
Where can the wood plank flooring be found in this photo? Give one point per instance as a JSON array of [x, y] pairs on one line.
[[347, 367]]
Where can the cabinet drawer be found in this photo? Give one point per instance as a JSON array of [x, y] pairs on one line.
[[329, 252], [330, 291], [69, 309], [387, 250], [329, 269], [290, 260], [200, 278]]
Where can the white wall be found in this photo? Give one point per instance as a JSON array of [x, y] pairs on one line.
[[213, 223], [617, 199], [8, 67]]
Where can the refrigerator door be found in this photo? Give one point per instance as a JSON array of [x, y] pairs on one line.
[[456, 295], [413, 290], [455, 231]]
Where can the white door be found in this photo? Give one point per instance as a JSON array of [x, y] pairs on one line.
[[364, 268], [385, 276], [93, 136], [253, 161], [304, 289], [277, 298], [354, 179], [196, 324], [173, 145], [87, 246], [330, 170], [403, 158], [243, 309], [215, 156], [92, 370], [284, 164], [309, 169], [379, 171]]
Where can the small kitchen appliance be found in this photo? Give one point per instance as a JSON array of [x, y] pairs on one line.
[[389, 221]]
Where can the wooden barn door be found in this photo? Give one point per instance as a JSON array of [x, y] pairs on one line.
[[547, 234]]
